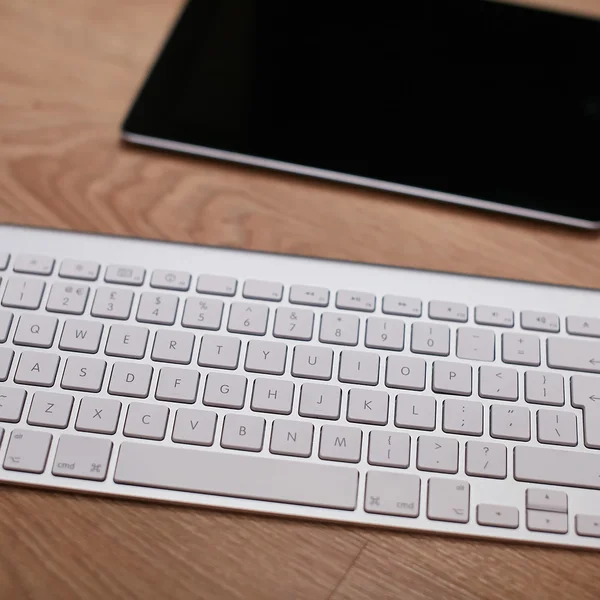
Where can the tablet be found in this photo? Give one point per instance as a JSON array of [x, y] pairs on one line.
[[473, 102]]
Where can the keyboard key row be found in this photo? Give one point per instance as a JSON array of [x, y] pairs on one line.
[[312, 362], [318, 401], [325, 485]]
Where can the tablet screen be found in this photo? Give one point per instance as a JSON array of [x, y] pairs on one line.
[[472, 98]]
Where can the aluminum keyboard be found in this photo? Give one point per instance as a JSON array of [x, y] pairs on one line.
[[301, 387]]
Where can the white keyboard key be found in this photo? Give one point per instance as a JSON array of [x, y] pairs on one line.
[[340, 443], [550, 500], [273, 396], [241, 432], [294, 324], [82, 457], [11, 404], [83, 374], [320, 401], [6, 319], [389, 449], [263, 290], [6, 358], [339, 328], [573, 355], [495, 515], [266, 357], [448, 311], [486, 459], [463, 416], [585, 394], [384, 334], [219, 351], [173, 346], [349, 300], [368, 406], [586, 326], [98, 415], [498, 383], [510, 422], [86, 270], [544, 388], [157, 308], [430, 338], [402, 305], [248, 318], [359, 367], [34, 264], [438, 454], [202, 313], [125, 274], [475, 344], [37, 368], [294, 482], [147, 421], [194, 427], [291, 438], [389, 493], [50, 410], [27, 451], [127, 341], [540, 321], [415, 412], [448, 500], [218, 285], [112, 303], [37, 331], [556, 427], [177, 385], [452, 378], [309, 295], [493, 315], [4, 259], [557, 467], [407, 373], [224, 390], [81, 336], [549, 522], [312, 362], [587, 525], [23, 292], [170, 280], [130, 379], [520, 349], [68, 299]]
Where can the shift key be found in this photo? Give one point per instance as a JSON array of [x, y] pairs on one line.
[[240, 476], [557, 467]]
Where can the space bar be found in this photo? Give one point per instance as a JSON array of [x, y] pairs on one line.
[[241, 476]]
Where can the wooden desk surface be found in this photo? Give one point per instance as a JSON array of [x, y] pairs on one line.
[[68, 71]]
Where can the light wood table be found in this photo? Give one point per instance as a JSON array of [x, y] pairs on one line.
[[68, 71]]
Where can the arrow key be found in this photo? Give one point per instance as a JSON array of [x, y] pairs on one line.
[[494, 515], [587, 525], [546, 500], [550, 522]]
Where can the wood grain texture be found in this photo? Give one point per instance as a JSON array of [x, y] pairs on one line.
[[68, 71]]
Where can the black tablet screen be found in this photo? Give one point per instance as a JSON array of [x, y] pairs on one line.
[[469, 97]]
